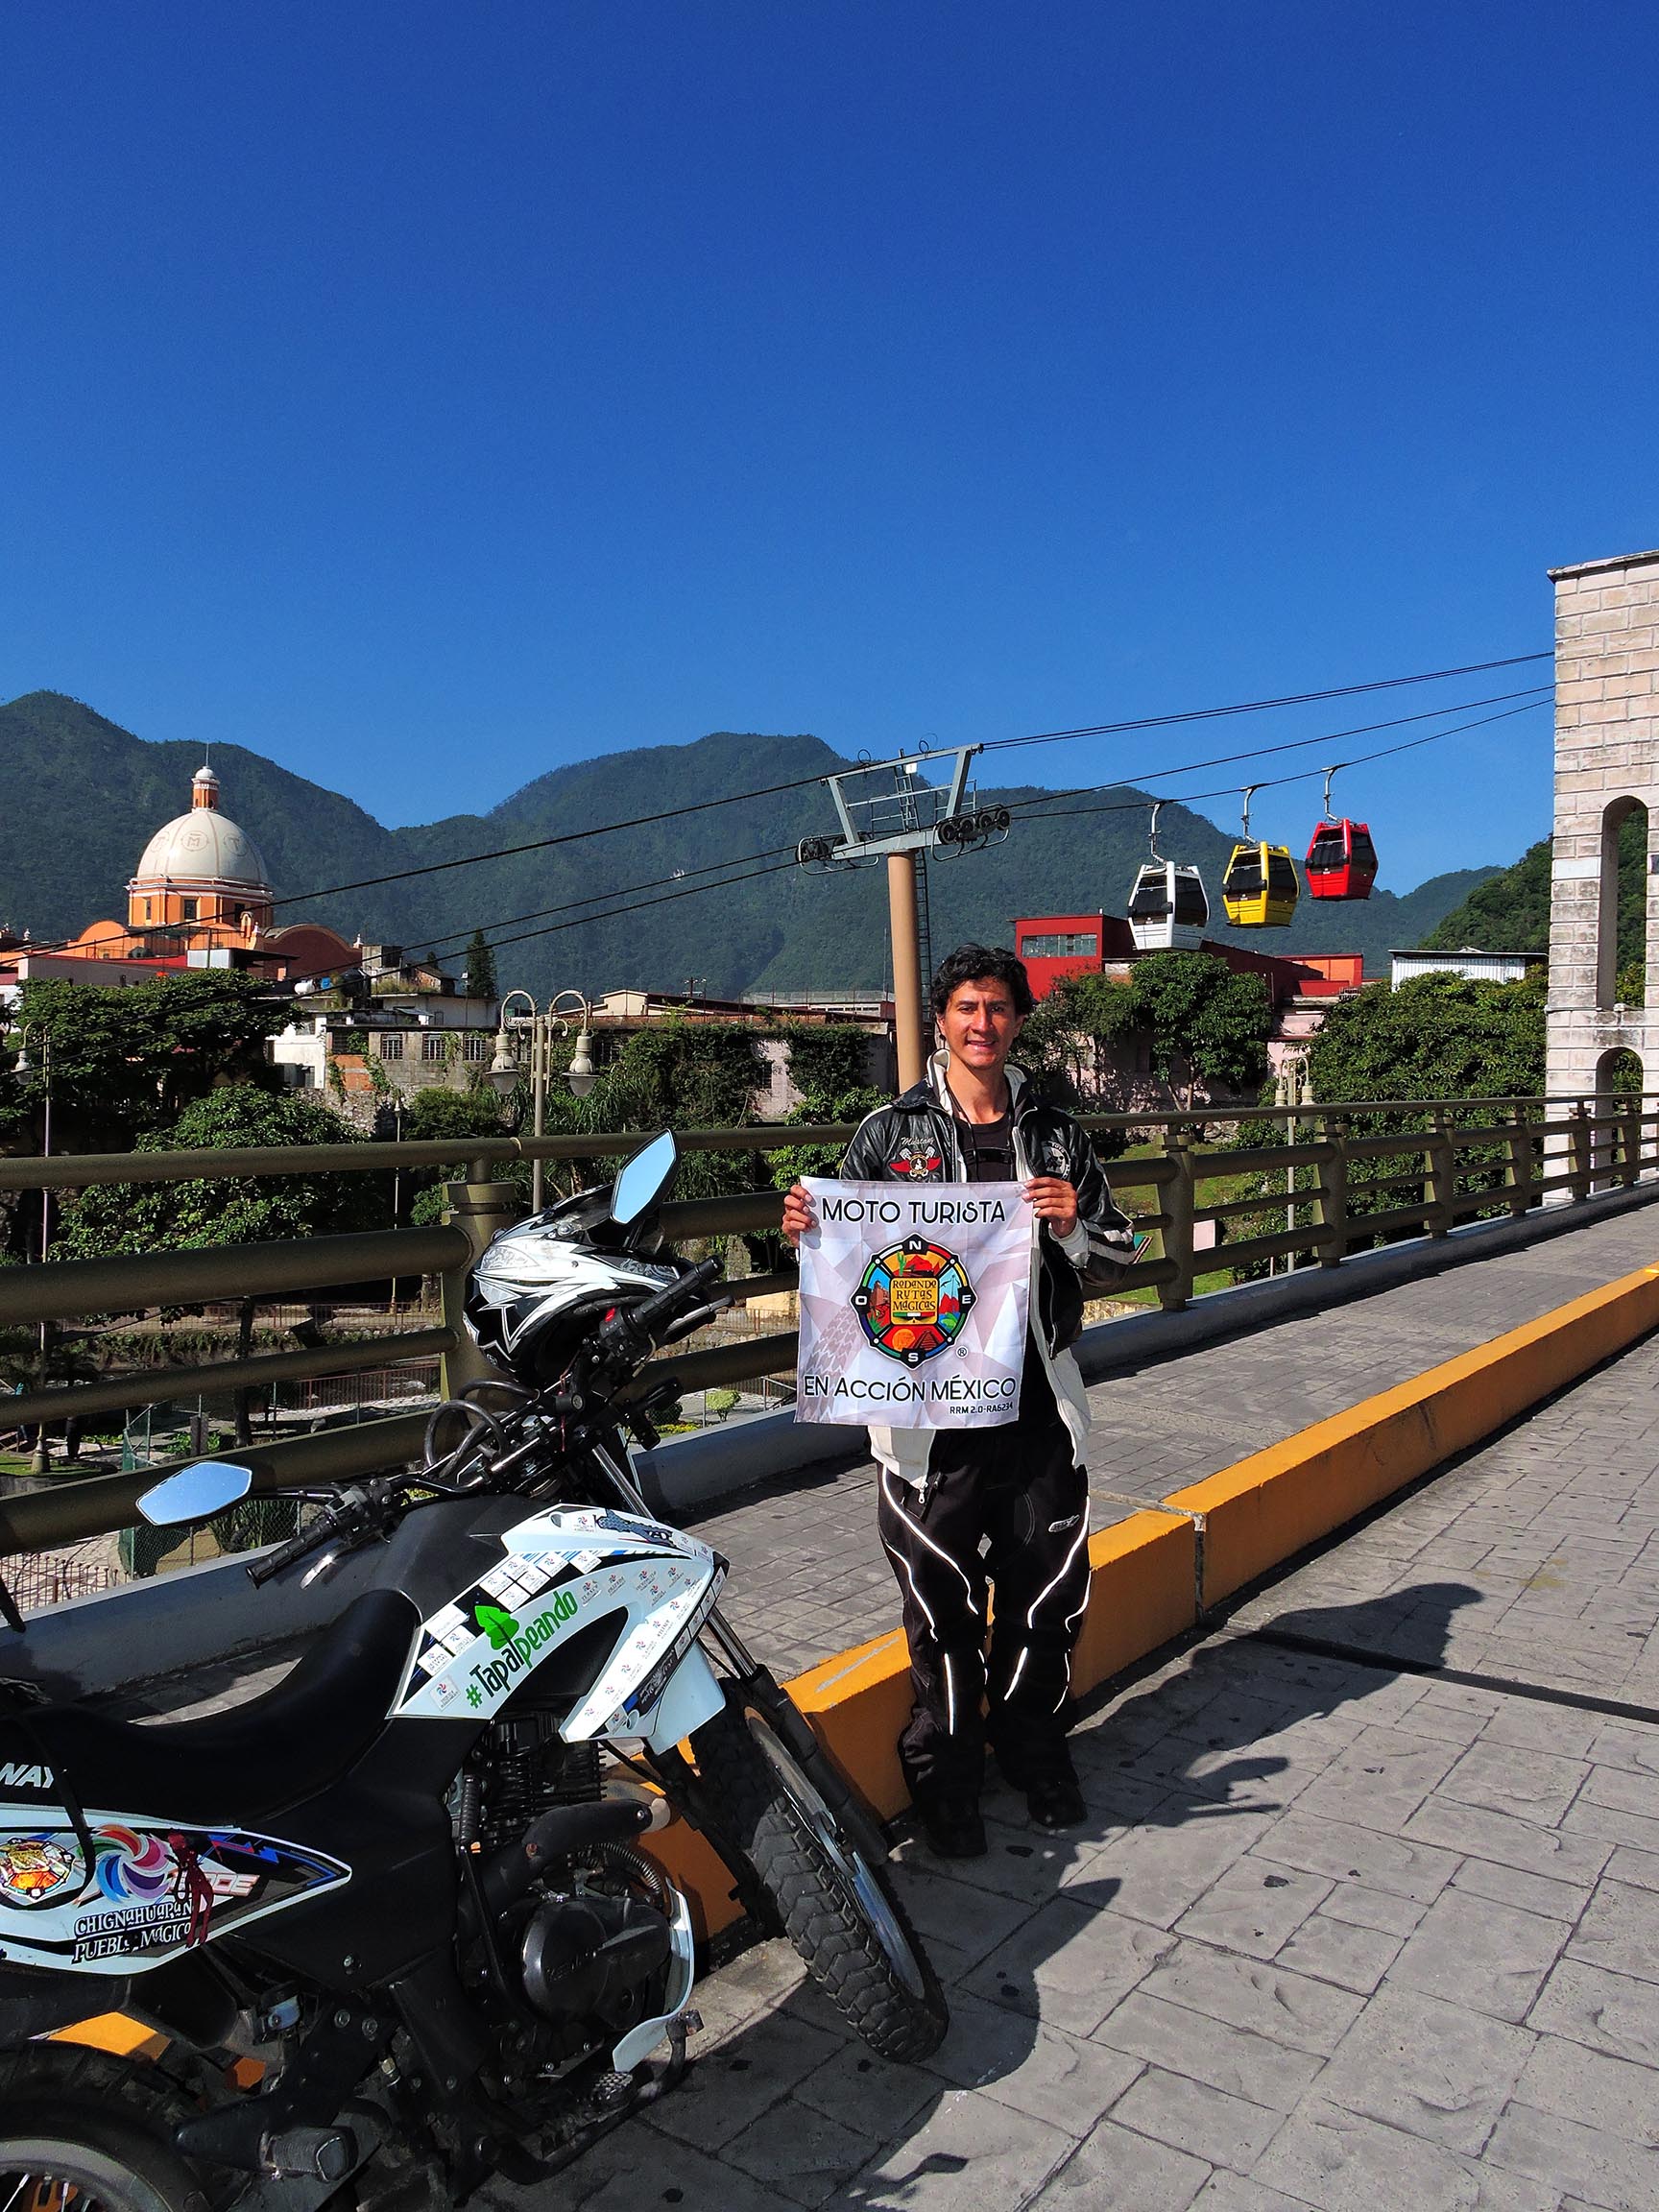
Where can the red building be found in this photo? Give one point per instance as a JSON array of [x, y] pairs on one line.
[[1057, 945]]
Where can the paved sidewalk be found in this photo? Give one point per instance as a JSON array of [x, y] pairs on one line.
[[1336, 1936], [809, 1577]]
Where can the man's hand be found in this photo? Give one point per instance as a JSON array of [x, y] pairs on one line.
[[1053, 1200], [797, 1214]]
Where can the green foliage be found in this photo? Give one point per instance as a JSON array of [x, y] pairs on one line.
[[794, 1161], [827, 1068], [125, 1063], [239, 1210], [480, 967], [1436, 1037], [1206, 1025], [1510, 911], [1073, 1042], [828, 1062], [1622, 1076], [435, 1115], [678, 1075]]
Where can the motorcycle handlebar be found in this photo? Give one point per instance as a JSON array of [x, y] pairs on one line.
[[262, 1571], [626, 1331], [687, 1291]]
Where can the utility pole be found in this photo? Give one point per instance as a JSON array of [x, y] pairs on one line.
[[888, 809], [911, 1027]]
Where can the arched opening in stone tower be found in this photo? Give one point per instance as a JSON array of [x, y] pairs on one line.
[[1621, 953], [1620, 1084]]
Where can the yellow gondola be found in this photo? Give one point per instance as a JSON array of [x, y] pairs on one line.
[[1260, 888]]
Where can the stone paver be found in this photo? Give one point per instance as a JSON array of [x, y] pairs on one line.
[[1335, 1936]]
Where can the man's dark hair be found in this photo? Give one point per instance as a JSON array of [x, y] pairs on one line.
[[981, 964]]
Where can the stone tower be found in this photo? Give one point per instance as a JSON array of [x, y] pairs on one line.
[[1607, 764]]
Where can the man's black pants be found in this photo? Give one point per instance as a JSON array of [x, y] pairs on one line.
[[1009, 1506]]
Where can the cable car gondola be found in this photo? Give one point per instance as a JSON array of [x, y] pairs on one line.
[[1168, 904], [1260, 888], [1341, 860]]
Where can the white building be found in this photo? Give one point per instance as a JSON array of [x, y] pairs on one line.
[[1467, 961]]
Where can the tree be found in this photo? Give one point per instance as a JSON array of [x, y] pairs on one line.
[[432, 1115], [1074, 1041], [1435, 1037], [127, 1061], [480, 967], [237, 1209], [1206, 1023]]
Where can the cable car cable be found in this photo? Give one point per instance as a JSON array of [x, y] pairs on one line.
[[1271, 782], [1259, 706], [1534, 693], [994, 744]]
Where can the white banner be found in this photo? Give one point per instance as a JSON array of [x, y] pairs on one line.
[[913, 1304]]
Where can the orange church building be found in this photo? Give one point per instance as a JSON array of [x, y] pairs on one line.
[[201, 897]]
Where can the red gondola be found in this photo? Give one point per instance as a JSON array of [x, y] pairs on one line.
[[1341, 860]]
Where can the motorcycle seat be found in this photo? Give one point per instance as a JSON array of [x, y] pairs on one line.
[[243, 1764]]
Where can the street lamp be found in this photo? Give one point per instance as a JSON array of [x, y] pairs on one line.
[[505, 1070]]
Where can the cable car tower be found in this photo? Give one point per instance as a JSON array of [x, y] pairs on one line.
[[892, 810]]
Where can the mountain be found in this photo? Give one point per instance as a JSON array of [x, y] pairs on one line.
[[85, 795], [1508, 913]]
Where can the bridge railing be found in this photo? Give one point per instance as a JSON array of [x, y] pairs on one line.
[[1331, 1180]]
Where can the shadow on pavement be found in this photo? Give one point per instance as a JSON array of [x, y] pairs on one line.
[[1239, 1694], [1036, 1943]]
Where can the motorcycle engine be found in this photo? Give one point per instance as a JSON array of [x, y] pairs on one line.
[[593, 1958]]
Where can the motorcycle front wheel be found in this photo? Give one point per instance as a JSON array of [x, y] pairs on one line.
[[837, 1903]]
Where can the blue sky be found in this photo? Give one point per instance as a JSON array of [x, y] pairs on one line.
[[425, 394]]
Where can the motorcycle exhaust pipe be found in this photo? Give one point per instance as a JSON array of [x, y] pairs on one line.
[[558, 1835]]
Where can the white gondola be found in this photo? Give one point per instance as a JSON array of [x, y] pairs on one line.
[[1167, 906]]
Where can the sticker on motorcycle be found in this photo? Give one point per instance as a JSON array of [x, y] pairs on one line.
[[34, 1869], [153, 1888], [475, 1652]]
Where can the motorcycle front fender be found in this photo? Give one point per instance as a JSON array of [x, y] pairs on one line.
[[692, 1696]]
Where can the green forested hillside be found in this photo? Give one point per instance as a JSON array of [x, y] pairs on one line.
[[1510, 911], [86, 795]]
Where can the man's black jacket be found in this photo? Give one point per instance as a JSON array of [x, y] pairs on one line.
[[915, 1141]]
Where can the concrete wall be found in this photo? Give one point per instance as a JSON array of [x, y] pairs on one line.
[[1606, 756]]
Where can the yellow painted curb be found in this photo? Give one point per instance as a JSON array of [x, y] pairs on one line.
[[1266, 1508]]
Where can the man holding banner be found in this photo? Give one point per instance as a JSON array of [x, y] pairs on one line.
[[946, 1309]]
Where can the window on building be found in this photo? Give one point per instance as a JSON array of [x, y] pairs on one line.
[[147, 909], [1061, 944], [432, 1045], [475, 1046], [187, 910], [392, 1045]]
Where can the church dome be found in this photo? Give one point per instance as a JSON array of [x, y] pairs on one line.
[[203, 847]]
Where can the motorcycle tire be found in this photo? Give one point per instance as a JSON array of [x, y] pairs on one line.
[[837, 1903], [77, 2127]]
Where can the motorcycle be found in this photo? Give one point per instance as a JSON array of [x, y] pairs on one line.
[[388, 1926]]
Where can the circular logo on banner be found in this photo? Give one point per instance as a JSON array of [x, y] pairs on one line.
[[912, 1300]]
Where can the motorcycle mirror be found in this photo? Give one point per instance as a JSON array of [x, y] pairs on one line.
[[194, 1493], [644, 1179]]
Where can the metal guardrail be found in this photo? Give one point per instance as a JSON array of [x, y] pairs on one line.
[[1469, 1156]]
